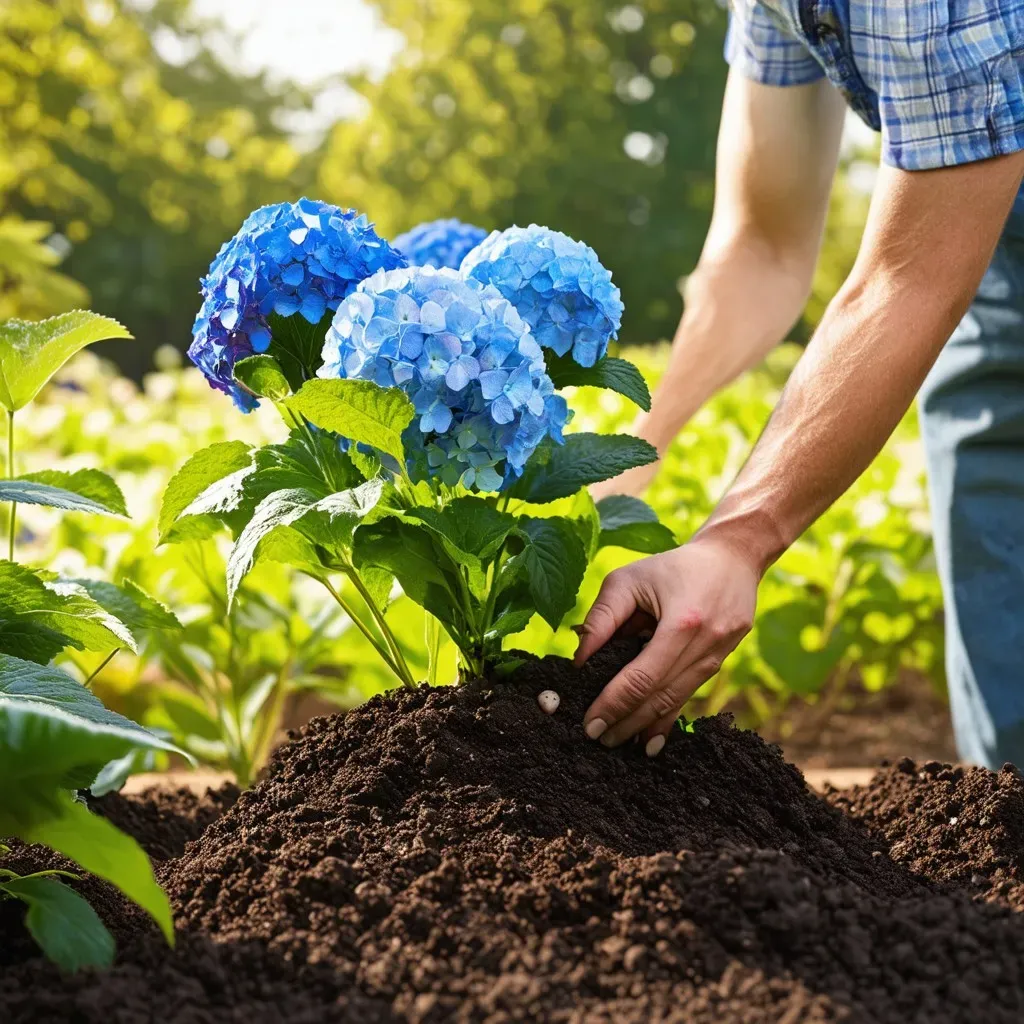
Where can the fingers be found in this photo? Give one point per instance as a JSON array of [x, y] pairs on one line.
[[661, 707], [615, 603], [634, 685]]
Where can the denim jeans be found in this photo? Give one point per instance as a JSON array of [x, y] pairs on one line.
[[972, 407]]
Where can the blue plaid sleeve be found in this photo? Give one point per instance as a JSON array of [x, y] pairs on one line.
[[949, 79], [763, 49]]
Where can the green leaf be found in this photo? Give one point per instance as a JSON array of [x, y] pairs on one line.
[[559, 471], [298, 345], [317, 465], [63, 924], [336, 516], [131, 604], [554, 561], [359, 410], [39, 600], [469, 526], [86, 490], [780, 633], [203, 469], [105, 851], [54, 731], [613, 374], [114, 774], [32, 352], [287, 546], [628, 522], [413, 556], [263, 377]]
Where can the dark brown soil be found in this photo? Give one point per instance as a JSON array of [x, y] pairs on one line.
[[457, 855]]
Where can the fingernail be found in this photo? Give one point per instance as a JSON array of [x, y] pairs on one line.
[[607, 741], [654, 746], [595, 728]]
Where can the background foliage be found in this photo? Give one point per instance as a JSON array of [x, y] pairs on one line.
[[128, 170]]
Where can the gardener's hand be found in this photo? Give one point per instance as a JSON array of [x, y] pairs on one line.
[[700, 600]]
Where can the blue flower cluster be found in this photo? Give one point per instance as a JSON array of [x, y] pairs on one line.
[[470, 365], [291, 258], [558, 286], [439, 243]]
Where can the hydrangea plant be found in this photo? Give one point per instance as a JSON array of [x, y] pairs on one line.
[[439, 243], [428, 450]]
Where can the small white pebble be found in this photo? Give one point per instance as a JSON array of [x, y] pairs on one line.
[[548, 701], [953, 821]]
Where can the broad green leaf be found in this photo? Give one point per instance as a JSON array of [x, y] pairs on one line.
[[32, 352], [316, 464], [333, 519], [558, 471], [38, 599], [54, 731], [469, 526], [780, 634], [114, 774], [262, 375], [359, 410], [610, 373], [331, 524], [298, 345], [417, 560], [554, 561], [63, 924], [282, 508], [105, 851], [131, 604], [286, 545], [628, 522], [30, 640], [203, 469], [86, 490]]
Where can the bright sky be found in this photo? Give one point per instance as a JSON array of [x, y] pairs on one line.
[[306, 40]]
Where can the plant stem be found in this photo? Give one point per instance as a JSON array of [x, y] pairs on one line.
[[101, 666], [12, 522], [261, 748], [403, 671], [363, 628]]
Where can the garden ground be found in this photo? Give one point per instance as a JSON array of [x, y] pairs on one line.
[[455, 854]]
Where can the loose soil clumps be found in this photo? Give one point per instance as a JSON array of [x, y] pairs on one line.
[[459, 855]]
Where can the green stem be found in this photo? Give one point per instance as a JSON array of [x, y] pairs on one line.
[[101, 666], [363, 628], [12, 522], [261, 748], [382, 624]]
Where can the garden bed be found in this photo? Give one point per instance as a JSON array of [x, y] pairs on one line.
[[456, 854]]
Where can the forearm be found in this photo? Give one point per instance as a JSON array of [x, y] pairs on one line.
[[740, 303], [857, 378]]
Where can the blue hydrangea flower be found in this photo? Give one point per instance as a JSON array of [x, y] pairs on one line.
[[439, 243], [290, 258], [467, 360], [558, 286]]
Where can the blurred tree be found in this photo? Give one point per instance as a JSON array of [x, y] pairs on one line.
[[595, 118], [144, 167]]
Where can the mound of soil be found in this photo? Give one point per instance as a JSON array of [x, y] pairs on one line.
[[458, 855]]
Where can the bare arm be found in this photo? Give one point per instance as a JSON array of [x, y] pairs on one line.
[[929, 238], [777, 151]]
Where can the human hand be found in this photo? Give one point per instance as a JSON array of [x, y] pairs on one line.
[[701, 599]]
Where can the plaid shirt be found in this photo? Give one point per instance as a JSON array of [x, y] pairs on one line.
[[943, 80]]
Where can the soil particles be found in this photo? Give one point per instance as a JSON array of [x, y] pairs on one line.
[[458, 855]]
